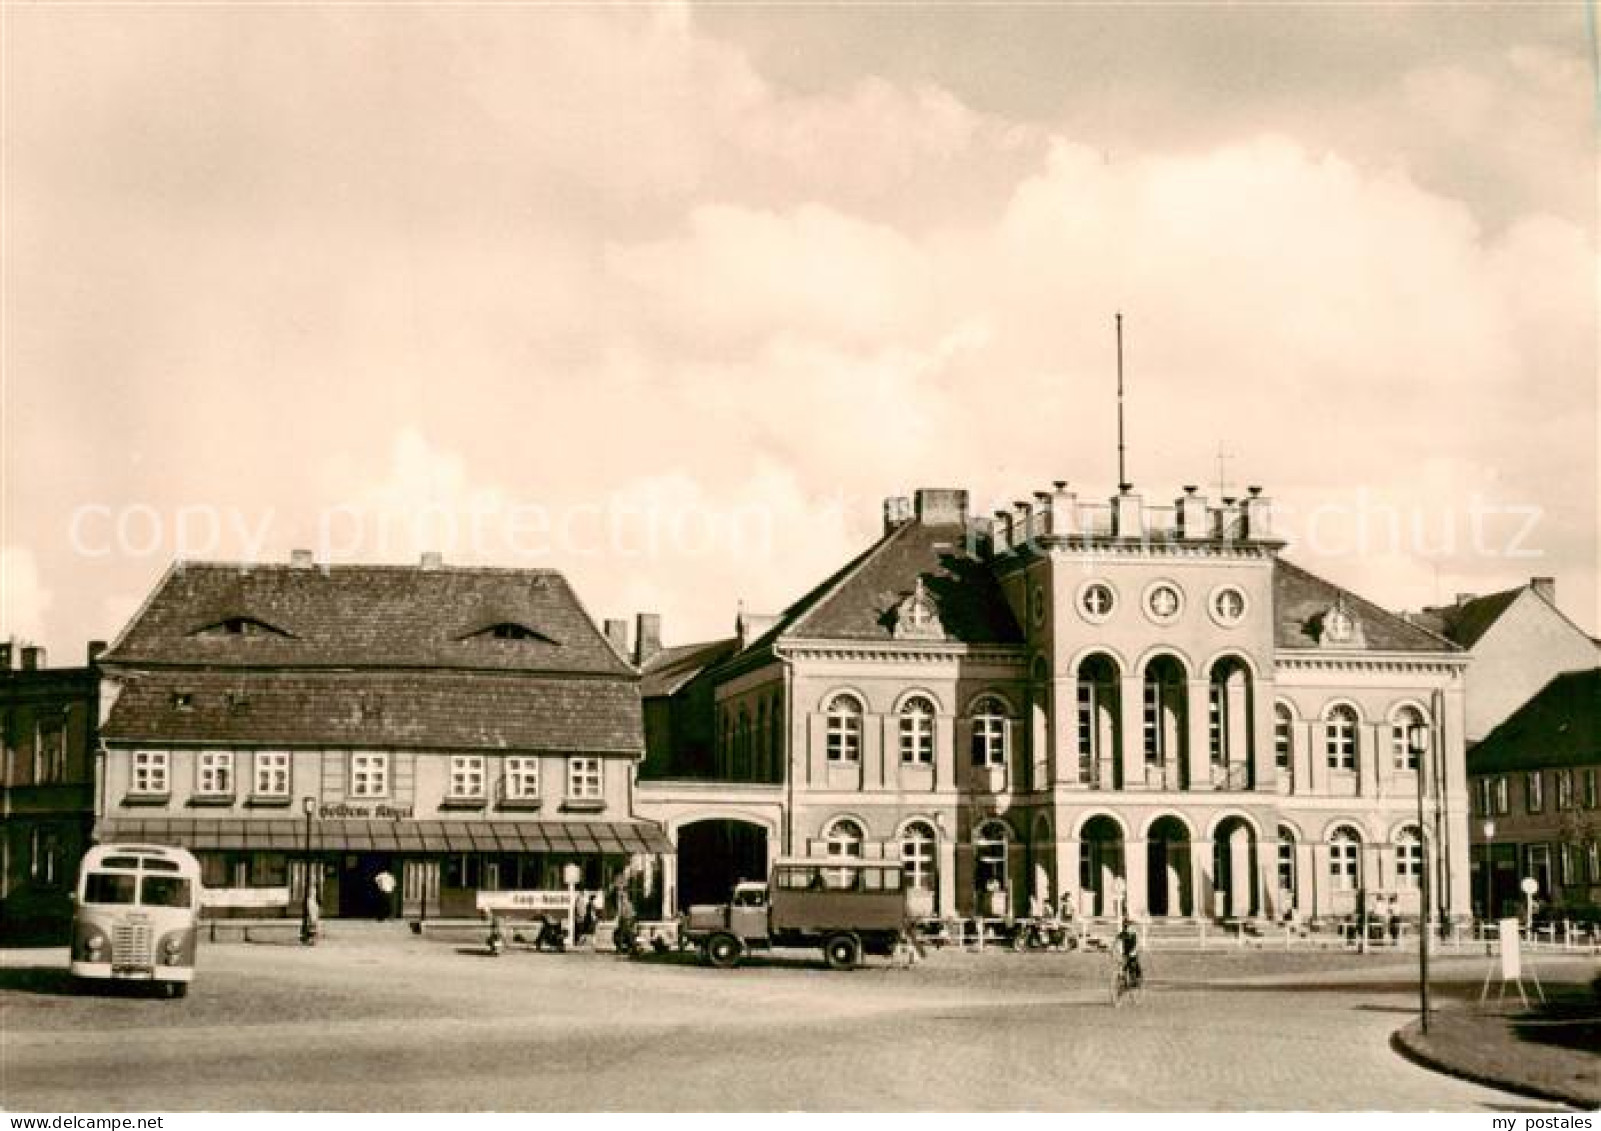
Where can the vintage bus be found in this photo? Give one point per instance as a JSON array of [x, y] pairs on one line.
[[136, 911]]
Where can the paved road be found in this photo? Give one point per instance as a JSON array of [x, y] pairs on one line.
[[389, 1022]]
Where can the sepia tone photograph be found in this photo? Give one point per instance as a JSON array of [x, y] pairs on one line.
[[733, 557]]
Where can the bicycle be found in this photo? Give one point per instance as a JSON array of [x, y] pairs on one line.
[[1128, 982]]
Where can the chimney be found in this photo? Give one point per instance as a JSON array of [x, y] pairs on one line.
[[1128, 513], [749, 627], [941, 506], [32, 658], [1064, 511], [300, 559], [1191, 508], [97, 648], [647, 637], [431, 560], [1546, 587], [1024, 510], [1258, 515], [1464, 598], [1003, 534], [5, 655], [897, 512], [617, 636]]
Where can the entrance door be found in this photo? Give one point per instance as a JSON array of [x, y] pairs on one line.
[[359, 896]]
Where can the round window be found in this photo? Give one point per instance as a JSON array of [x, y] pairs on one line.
[[1227, 605], [1096, 599], [1163, 602]]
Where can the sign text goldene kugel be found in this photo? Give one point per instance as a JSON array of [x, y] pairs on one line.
[[365, 812]]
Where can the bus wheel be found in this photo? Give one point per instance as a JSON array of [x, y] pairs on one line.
[[842, 951], [177, 989], [722, 951]]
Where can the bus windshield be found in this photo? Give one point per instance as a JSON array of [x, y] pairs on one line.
[[164, 891], [108, 887]]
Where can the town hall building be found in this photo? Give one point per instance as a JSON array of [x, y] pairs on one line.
[[1126, 707]]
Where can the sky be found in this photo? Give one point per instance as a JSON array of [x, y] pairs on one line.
[[671, 297]]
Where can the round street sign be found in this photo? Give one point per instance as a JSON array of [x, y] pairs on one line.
[[1530, 885]]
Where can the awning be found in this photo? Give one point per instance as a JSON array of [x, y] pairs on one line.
[[580, 838]]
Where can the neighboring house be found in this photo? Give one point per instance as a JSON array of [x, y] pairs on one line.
[[1128, 707], [1537, 812], [463, 729], [1519, 639], [47, 740]]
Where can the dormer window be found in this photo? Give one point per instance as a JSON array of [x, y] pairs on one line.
[[239, 625], [916, 618], [508, 630]]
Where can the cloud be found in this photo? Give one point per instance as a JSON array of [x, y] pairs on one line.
[[24, 599]]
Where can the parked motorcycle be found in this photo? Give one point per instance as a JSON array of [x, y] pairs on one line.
[[550, 934], [626, 938], [1042, 934]]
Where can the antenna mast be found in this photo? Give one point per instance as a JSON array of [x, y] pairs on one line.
[[1122, 473]]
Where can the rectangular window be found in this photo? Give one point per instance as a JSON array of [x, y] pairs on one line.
[[1155, 748], [1564, 789], [1589, 790], [1567, 873], [50, 753], [1343, 864], [1215, 738], [522, 779], [215, 774], [44, 866], [272, 773], [1502, 802], [584, 779], [1481, 797], [1534, 791], [1287, 867], [1592, 856], [467, 777], [369, 775], [150, 772], [1282, 737]]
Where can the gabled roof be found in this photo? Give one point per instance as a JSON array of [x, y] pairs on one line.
[[426, 710], [1466, 623], [1300, 599], [366, 616], [1560, 726], [668, 670], [859, 602]]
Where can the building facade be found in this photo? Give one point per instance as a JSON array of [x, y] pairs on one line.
[[1132, 708], [48, 720], [464, 730], [1537, 812]]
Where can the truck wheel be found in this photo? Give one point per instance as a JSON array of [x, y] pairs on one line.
[[722, 951], [842, 951]]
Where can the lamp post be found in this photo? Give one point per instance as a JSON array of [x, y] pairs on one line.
[[309, 912], [1417, 745]]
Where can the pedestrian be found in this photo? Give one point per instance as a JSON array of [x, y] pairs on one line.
[[1395, 922], [384, 881], [589, 917], [310, 917], [906, 947]]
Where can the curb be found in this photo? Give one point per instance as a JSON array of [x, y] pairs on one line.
[[1401, 1042]]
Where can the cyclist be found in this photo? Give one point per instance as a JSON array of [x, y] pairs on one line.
[[1128, 950]]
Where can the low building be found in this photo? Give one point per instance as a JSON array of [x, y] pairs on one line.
[[1536, 807], [48, 719], [461, 729]]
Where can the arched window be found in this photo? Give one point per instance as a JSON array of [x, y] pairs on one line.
[[1408, 858], [844, 729], [989, 732], [917, 732], [918, 853], [1401, 724], [1164, 716], [990, 845], [1098, 708], [844, 838], [1283, 737], [1339, 741], [1345, 859]]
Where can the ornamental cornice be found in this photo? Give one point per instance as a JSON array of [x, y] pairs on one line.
[[901, 653], [1392, 662]]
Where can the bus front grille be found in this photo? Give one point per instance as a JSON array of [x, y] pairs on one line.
[[130, 947]]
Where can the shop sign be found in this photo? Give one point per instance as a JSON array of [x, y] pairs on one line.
[[342, 812], [244, 897], [524, 901]]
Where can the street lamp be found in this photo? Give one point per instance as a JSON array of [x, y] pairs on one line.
[[309, 912], [1417, 745]]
